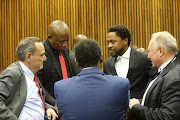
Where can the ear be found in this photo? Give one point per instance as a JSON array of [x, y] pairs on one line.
[[126, 41], [49, 36], [28, 56], [101, 58], [161, 51], [77, 62]]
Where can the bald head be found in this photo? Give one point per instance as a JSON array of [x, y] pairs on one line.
[[57, 26], [78, 38], [58, 35]]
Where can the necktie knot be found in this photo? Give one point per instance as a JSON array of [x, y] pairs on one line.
[[35, 78], [60, 53]]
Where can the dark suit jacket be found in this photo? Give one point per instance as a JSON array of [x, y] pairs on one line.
[[178, 54], [13, 92], [92, 95], [163, 98], [51, 71], [76, 70], [138, 73]]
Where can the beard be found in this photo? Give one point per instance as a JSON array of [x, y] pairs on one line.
[[118, 53]]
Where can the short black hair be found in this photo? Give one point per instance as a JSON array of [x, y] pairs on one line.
[[87, 52], [121, 31]]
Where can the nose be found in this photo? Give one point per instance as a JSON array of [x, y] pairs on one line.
[[109, 45], [148, 56], [45, 58], [65, 43]]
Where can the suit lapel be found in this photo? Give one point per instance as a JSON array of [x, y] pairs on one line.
[[51, 57], [23, 87], [132, 63], [159, 78], [112, 67], [42, 89]]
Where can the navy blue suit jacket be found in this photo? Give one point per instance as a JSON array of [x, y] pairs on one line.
[[92, 95]]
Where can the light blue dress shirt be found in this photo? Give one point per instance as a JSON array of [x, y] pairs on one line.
[[33, 108]]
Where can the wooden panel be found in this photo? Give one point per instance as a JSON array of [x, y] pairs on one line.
[[22, 18]]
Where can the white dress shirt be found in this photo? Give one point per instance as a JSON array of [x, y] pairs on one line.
[[122, 63], [159, 70], [33, 108]]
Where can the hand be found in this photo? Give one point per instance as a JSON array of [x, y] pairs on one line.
[[51, 113], [133, 102], [127, 114], [55, 107]]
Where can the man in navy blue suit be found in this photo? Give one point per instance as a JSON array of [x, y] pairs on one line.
[[92, 95]]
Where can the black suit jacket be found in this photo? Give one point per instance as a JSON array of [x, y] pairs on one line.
[[51, 71], [138, 73], [163, 98]]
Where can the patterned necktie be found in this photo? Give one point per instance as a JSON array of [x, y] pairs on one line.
[[37, 83], [63, 66]]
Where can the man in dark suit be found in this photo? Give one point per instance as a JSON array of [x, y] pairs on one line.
[[20, 94], [75, 68], [161, 100], [127, 62], [56, 43], [92, 95]]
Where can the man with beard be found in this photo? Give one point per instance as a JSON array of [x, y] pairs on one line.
[[127, 62]]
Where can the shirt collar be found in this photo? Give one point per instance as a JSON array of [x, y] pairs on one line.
[[165, 64], [86, 68], [126, 54], [27, 71]]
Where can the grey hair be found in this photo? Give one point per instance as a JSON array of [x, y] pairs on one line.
[[166, 40], [26, 45]]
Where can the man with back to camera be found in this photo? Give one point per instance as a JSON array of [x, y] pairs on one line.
[[91, 95], [21, 94], [75, 68], [57, 67], [127, 62], [161, 100]]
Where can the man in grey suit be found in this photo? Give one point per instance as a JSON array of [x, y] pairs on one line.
[[127, 62], [75, 68], [161, 100], [20, 95]]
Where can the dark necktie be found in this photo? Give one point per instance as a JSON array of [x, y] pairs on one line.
[[63, 66], [37, 83]]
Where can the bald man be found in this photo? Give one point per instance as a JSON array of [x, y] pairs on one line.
[[75, 68], [55, 44]]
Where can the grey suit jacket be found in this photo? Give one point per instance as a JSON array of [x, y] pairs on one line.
[[13, 92], [162, 101], [76, 70], [51, 71], [138, 73]]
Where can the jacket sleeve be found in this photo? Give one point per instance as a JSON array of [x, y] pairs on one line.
[[7, 84]]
